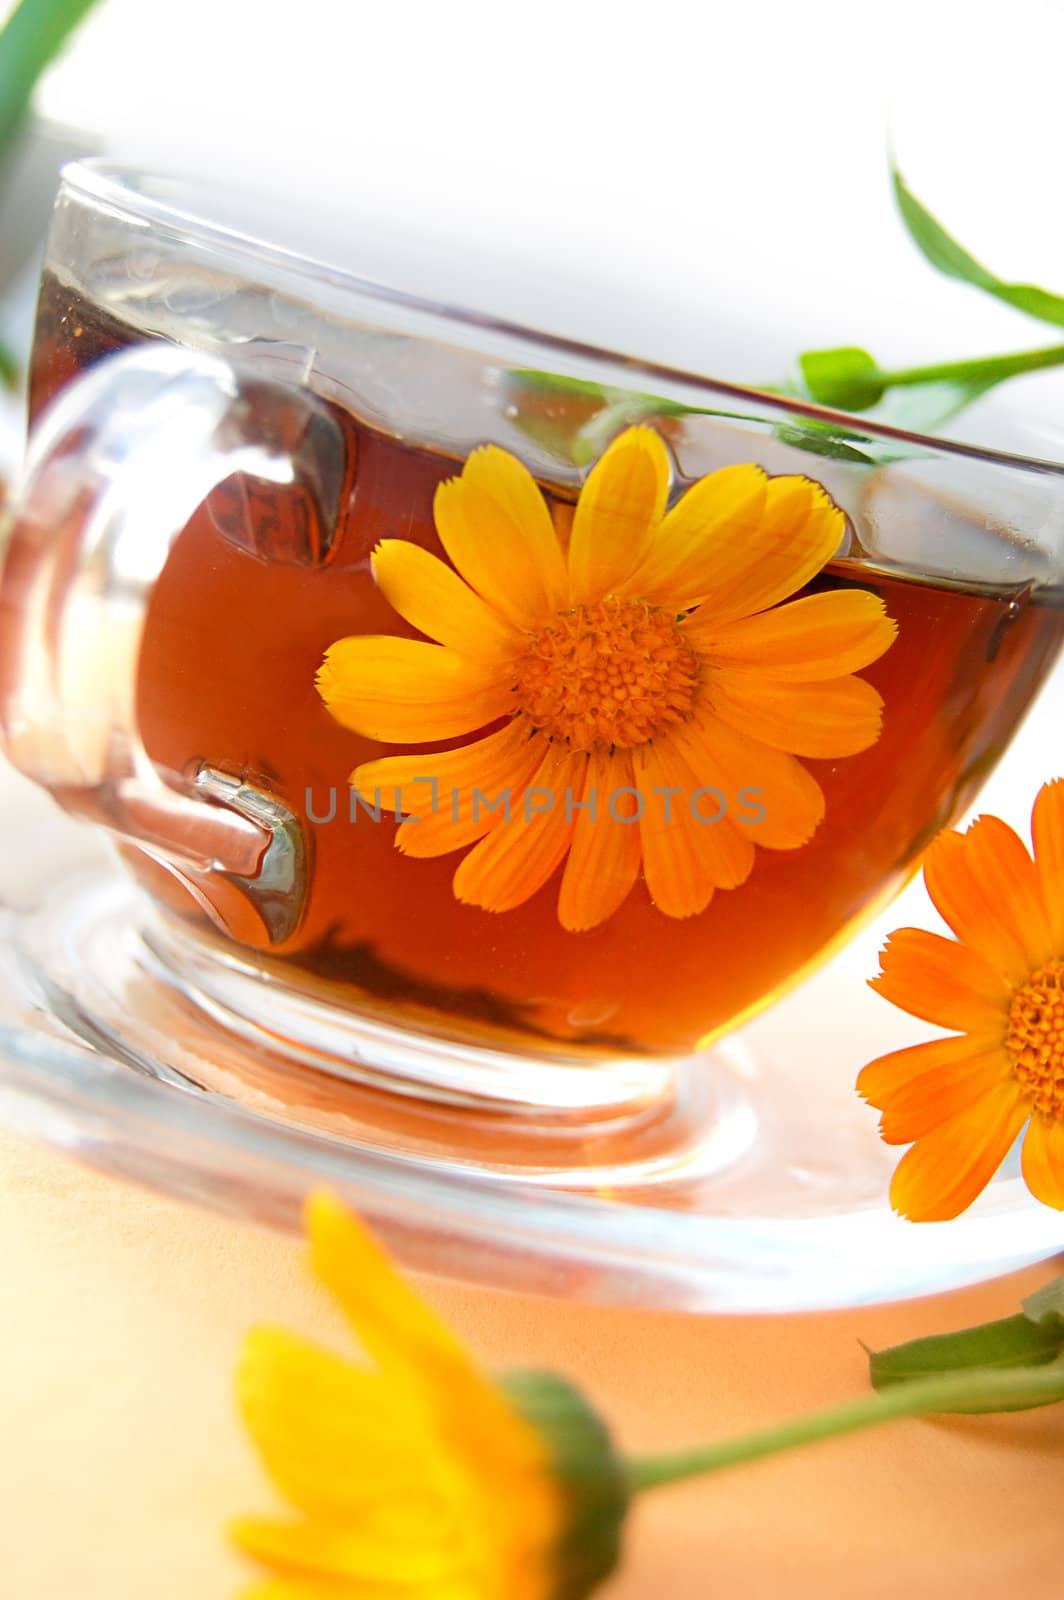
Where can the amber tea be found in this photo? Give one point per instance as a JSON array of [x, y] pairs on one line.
[[548, 936]]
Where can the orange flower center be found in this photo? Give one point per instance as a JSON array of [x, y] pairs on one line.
[[614, 674], [1035, 1039]]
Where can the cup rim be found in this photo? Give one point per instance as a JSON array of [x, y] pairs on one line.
[[118, 185]]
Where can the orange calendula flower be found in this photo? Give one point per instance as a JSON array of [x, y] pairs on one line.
[[962, 1101], [644, 662], [416, 1478]]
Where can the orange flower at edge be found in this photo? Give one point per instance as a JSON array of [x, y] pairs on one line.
[[962, 1101], [649, 654]]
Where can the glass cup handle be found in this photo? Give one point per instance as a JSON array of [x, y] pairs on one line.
[[114, 470]]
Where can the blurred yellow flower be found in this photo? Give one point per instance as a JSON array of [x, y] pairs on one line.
[[416, 1476]]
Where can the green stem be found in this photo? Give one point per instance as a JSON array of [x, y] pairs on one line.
[[984, 369], [954, 1391], [10, 372]]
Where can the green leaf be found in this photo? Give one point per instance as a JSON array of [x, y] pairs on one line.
[[944, 253], [919, 398], [556, 383], [1045, 1308], [816, 439], [1015, 1342], [620, 410], [847, 379], [575, 420], [30, 40]]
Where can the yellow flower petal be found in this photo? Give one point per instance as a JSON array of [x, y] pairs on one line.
[[942, 982], [318, 1420], [1043, 1161], [985, 886], [725, 851], [802, 528], [754, 777], [939, 1094], [434, 599], [461, 794], [494, 525], [680, 881], [605, 854], [402, 1335], [839, 717], [305, 1586], [619, 507], [1047, 834], [943, 1173], [698, 545], [514, 861], [755, 545], [406, 1559], [890, 1075], [820, 636], [403, 691]]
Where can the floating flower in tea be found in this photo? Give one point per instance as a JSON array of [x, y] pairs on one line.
[[652, 692]]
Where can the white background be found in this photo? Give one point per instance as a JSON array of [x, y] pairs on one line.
[[701, 182]]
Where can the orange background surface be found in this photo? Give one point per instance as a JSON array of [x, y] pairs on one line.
[[121, 1314]]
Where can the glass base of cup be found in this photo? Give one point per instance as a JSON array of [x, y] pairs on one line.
[[180, 1009], [728, 1181]]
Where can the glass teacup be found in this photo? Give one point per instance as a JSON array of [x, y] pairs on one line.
[[486, 719]]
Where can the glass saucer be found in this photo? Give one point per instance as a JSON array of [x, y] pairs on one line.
[[704, 1218]]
